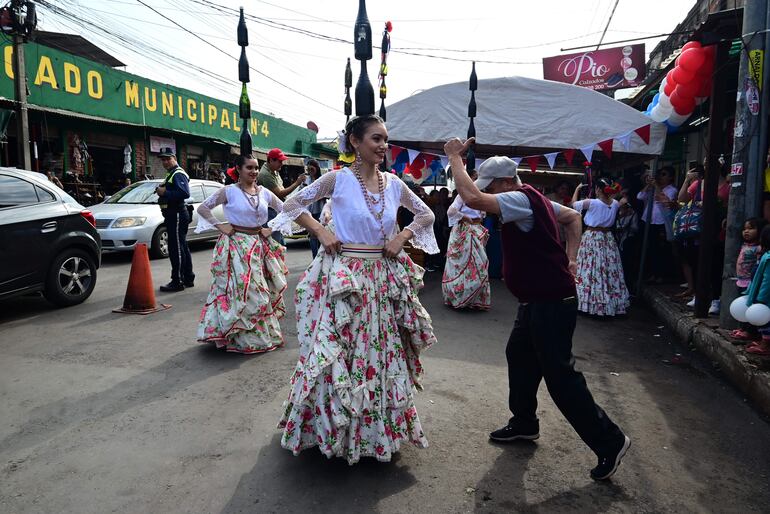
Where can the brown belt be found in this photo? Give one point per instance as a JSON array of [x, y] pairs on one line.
[[254, 231], [476, 221], [599, 229]]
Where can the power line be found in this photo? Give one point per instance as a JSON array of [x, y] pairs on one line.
[[235, 58]]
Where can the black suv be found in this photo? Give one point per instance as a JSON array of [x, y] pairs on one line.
[[48, 241]]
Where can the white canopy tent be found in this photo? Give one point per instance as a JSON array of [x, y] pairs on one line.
[[518, 116]]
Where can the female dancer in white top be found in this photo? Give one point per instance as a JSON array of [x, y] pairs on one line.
[[360, 324], [248, 271], [601, 286], [466, 274]]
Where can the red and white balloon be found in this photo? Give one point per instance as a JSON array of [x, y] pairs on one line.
[[686, 86]]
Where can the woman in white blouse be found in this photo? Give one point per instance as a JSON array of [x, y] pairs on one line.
[[360, 325], [601, 287], [465, 283], [248, 272]]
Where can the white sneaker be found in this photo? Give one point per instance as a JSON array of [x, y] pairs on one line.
[[691, 303], [715, 306], [684, 285]]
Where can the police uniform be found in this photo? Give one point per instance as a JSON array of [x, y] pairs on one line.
[[177, 218]]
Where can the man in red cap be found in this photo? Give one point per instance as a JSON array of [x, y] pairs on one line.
[[270, 178]]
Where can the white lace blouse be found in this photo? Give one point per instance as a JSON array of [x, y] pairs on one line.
[[239, 210], [599, 213], [353, 223], [458, 210]]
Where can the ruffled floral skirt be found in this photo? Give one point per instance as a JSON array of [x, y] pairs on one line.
[[601, 286], [466, 274], [361, 329], [245, 302]]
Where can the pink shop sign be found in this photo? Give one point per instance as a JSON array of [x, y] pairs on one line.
[[608, 68]]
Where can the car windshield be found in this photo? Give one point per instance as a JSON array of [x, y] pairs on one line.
[[140, 192]]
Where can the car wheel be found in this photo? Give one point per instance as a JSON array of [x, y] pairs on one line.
[[159, 248], [71, 278]]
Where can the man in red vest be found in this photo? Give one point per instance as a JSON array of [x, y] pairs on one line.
[[539, 272]]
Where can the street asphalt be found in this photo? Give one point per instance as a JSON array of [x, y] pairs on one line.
[[104, 412]]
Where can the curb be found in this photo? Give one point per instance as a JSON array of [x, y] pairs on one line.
[[734, 363]]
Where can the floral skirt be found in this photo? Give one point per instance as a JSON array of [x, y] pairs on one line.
[[361, 329], [246, 297], [466, 273], [601, 286]]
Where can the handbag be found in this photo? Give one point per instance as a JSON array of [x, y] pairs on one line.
[[687, 221]]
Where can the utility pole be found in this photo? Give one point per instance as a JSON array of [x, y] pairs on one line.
[[24, 160], [23, 21], [750, 143]]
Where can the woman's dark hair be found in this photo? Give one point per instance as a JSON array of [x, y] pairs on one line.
[[757, 223], [764, 238], [357, 127], [314, 163]]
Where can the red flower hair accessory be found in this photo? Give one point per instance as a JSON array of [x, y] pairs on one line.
[[613, 189], [232, 173]]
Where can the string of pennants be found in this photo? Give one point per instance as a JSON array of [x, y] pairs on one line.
[[414, 161]]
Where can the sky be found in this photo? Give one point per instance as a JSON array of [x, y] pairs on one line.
[[300, 77]]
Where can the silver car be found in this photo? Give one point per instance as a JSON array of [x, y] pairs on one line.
[[132, 216]]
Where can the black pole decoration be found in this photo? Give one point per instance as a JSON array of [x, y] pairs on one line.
[[362, 40], [348, 85], [473, 85], [384, 67], [244, 104]]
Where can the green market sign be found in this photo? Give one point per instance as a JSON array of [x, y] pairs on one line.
[[63, 81]]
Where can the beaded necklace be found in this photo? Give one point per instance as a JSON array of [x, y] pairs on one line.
[[251, 197], [371, 200]]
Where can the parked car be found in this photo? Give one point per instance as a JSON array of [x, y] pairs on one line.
[[132, 216], [48, 241]]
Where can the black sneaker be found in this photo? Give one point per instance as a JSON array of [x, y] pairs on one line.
[[189, 283], [515, 432], [609, 464], [172, 287]]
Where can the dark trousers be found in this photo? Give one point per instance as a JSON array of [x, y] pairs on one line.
[[272, 213], [177, 222], [540, 347]]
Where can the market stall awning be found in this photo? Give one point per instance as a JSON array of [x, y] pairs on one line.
[[521, 113]]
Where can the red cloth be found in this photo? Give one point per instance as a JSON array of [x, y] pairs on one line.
[[535, 265]]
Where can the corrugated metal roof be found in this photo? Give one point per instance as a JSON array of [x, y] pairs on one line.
[[76, 45]]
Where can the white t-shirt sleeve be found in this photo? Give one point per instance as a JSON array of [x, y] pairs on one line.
[[514, 206]]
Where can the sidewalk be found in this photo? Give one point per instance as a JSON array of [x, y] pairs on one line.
[[749, 374]]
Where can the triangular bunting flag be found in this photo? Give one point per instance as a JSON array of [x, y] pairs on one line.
[[532, 161], [644, 133], [517, 160], [588, 151], [569, 155], [624, 140], [413, 155], [394, 151], [444, 161], [606, 147], [428, 158], [551, 158]]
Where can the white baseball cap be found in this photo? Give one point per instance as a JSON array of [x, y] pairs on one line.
[[495, 167]]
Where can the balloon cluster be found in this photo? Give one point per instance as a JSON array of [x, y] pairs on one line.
[[687, 85], [758, 314]]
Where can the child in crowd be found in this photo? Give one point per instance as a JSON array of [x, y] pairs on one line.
[[748, 260], [759, 292]]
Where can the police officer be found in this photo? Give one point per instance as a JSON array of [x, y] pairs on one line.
[[172, 194]]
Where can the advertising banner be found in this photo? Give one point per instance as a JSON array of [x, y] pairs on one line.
[[605, 69]]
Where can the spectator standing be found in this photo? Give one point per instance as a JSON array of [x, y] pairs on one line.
[[746, 266], [663, 195], [270, 178]]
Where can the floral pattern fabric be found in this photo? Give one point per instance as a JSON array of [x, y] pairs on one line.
[[466, 274], [361, 330], [601, 287], [245, 301]]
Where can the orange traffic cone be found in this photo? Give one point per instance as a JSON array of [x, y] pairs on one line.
[[140, 293]]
